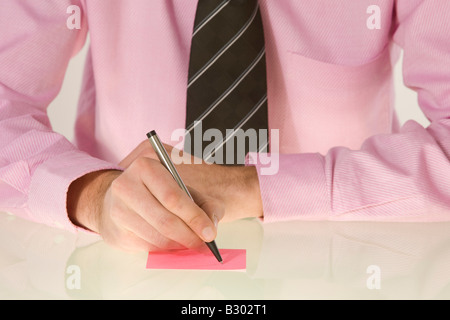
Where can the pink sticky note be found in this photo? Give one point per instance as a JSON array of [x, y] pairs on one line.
[[233, 259]]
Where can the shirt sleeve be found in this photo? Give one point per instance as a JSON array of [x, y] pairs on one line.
[[403, 176], [37, 165]]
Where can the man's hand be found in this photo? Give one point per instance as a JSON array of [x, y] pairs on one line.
[[143, 208], [237, 187]]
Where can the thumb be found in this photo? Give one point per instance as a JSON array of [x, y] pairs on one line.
[[214, 208]]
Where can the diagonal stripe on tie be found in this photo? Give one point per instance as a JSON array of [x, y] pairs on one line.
[[223, 49], [229, 89], [227, 77], [211, 15]]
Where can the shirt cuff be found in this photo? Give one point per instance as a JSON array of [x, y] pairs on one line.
[[293, 186], [50, 183]]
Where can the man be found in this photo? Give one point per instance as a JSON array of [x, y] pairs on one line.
[[329, 91]]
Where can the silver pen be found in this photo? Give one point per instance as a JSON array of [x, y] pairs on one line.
[[167, 162]]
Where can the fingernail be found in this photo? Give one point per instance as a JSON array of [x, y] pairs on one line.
[[215, 220], [208, 234]]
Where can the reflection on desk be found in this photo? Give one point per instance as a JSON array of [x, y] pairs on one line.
[[285, 260]]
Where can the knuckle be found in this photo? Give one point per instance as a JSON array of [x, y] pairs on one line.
[[117, 215], [140, 164], [195, 221], [166, 223], [172, 200], [117, 186], [173, 234]]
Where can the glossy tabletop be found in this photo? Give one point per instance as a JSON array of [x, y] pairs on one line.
[[285, 260]]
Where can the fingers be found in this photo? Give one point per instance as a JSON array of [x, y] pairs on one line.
[[210, 206], [134, 226], [184, 210], [149, 211]]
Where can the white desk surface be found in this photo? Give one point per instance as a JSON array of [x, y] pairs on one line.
[[289, 260]]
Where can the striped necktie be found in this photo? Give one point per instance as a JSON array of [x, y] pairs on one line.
[[227, 82]]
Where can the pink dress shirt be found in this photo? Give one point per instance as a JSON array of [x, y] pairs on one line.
[[343, 155]]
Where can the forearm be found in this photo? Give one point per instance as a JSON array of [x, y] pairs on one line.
[[85, 198], [236, 186], [392, 177], [242, 193]]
